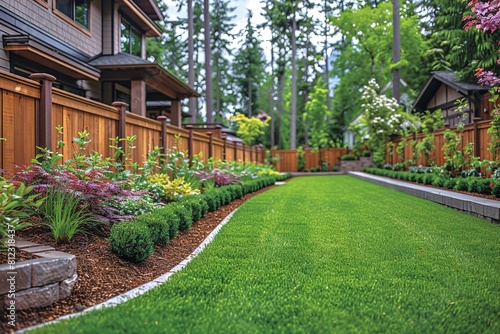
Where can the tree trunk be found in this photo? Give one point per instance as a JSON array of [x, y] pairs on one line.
[[293, 107], [281, 84], [249, 97], [327, 60], [192, 100], [271, 96], [396, 50], [208, 68]]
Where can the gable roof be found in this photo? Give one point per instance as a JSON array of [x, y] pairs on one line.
[[466, 88]]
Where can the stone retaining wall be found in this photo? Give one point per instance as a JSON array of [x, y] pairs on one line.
[[37, 282], [355, 165]]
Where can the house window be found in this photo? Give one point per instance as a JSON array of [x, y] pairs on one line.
[[130, 39], [77, 10]]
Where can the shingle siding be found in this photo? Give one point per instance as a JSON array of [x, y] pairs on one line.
[[53, 24]]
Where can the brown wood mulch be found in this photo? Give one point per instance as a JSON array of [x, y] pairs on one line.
[[102, 274]]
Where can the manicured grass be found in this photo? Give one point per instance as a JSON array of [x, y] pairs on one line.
[[326, 254]]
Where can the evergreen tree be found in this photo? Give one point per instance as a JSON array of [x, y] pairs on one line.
[[222, 37], [248, 70]]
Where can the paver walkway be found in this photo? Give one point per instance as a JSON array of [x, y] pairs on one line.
[[478, 206]]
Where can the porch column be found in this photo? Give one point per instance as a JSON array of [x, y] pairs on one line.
[[138, 97], [44, 129], [176, 113]]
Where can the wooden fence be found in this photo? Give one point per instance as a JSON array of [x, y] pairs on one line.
[[476, 133], [29, 114], [287, 160]]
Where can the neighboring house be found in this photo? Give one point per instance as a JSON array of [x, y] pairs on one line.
[[444, 90], [349, 134], [95, 49]]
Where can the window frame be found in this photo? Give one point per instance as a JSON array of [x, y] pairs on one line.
[[72, 21], [131, 30]]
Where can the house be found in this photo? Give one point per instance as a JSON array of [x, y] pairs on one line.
[[445, 90], [95, 49]]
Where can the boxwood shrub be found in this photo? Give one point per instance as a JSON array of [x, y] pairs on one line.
[[159, 227], [194, 204], [172, 218], [236, 190], [131, 240], [184, 213]]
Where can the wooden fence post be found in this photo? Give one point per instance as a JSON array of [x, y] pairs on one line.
[[210, 143], [224, 150], [235, 151], [122, 122], [244, 153], [477, 137], [190, 143], [163, 135], [44, 137]]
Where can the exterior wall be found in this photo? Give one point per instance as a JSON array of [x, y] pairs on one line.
[[89, 42], [4, 59], [444, 94]]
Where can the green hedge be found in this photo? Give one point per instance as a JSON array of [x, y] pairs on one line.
[[472, 184], [135, 240], [131, 241]]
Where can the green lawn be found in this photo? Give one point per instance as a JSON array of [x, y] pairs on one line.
[[326, 254]]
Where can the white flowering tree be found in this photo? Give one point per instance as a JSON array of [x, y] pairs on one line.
[[382, 118]]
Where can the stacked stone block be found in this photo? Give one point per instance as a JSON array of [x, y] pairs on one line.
[[38, 282]]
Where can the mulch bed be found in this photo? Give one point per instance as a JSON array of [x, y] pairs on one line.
[[102, 274]]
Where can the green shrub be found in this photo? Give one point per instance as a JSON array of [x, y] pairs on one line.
[[419, 178], [461, 184], [15, 203], [195, 206], [203, 204], [495, 190], [439, 181], [214, 199], [348, 157], [428, 178], [170, 216], [450, 183], [159, 227], [131, 241], [210, 200], [185, 215], [484, 186], [226, 196], [236, 190]]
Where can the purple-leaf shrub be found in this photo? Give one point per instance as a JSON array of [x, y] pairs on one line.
[[95, 189]]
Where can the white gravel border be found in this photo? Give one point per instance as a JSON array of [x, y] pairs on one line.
[[145, 287]]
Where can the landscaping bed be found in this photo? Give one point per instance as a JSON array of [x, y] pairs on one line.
[[102, 274]]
